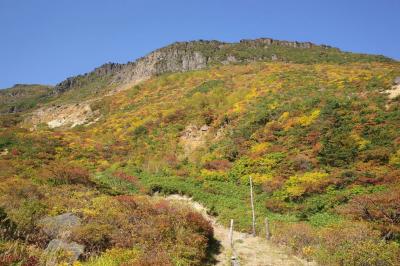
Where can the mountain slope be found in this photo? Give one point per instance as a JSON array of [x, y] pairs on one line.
[[195, 55], [186, 56], [178, 57], [319, 137], [22, 97]]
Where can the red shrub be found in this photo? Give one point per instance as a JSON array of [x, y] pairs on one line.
[[273, 184], [200, 224], [15, 152], [10, 259], [162, 206], [153, 258], [69, 174], [313, 137], [276, 205], [382, 209], [129, 178], [219, 165], [128, 200], [172, 160]]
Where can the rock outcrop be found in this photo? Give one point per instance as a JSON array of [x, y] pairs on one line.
[[59, 228], [177, 57], [68, 115], [70, 250], [193, 137], [183, 56]]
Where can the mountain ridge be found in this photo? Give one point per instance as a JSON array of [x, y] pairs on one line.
[[194, 55], [316, 130], [187, 56]]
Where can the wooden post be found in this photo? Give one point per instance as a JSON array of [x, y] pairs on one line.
[[231, 234], [267, 231], [252, 206], [234, 261]]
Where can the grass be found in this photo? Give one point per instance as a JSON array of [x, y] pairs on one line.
[[225, 200]]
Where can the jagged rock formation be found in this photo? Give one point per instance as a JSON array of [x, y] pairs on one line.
[[194, 55], [68, 103], [177, 57]]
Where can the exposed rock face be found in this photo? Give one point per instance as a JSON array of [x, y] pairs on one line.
[[4, 152], [71, 250], [269, 41], [66, 115], [193, 138], [178, 57], [394, 92], [159, 62], [60, 226]]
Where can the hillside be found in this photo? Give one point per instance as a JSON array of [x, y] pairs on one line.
[[187, 56], [316, 128], [22, 97]]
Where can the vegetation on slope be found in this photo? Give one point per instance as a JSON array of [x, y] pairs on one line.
[[107, 77], [271, 50], [22, 97], [321, 142]]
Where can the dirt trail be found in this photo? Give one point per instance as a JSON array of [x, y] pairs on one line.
[[251, 251]]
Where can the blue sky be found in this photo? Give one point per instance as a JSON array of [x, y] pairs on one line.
[[45, 41]]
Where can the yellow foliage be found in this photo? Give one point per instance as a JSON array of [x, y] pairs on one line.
[[213, 175], [273, 106], [283, 117], [259, 148], [114, 257], [395, 159], [308, 251], [361, 142], [259, 179], [103, 163], [307, 120], [252, 94], [238, 107], [297, 185]]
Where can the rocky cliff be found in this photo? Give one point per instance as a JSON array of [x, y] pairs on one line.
[[194, 55], [177, 57]]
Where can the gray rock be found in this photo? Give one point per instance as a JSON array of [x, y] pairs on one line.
[[397, 80], [71, 250], [177, 57], [204, 128], [59, 226]]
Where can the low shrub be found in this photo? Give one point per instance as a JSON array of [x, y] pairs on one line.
[[67, 174]]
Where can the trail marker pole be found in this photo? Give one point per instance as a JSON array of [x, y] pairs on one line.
[[252, 206], [234, 258], [267, 231], [231, 234]]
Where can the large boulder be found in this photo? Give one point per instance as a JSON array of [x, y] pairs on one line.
[[60, 226], [68, 251]]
